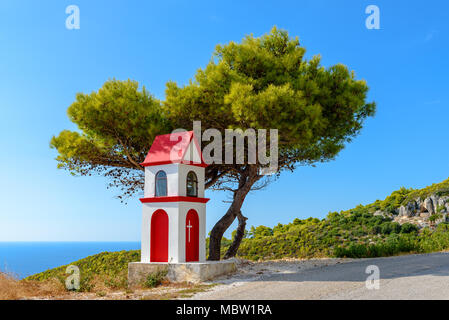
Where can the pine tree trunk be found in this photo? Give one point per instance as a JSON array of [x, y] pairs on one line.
[[217, 233], [246, 182], [232, 251]]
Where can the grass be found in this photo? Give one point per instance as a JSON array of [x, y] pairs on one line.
[[101, 276], [52, 288], [13, 289], [101, 272]]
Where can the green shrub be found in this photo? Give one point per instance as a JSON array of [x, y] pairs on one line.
[[435, 217], [155, 279], [408, 228]]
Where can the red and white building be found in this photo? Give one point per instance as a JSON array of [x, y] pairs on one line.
[[174, 206]]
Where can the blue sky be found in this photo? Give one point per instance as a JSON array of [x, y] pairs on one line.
[[43, 65]]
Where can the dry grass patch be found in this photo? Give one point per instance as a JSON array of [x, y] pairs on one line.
[[52, 288], [13, 289]]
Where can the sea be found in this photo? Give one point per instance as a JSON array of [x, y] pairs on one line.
[[22, 259]]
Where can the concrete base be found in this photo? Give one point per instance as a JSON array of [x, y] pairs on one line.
[[180, 272]]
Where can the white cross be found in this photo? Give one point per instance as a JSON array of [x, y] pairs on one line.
[[189, 227]]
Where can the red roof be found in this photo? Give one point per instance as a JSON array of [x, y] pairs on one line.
[[171, 148]]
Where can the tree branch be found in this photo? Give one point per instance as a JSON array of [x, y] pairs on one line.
[[128, 155]]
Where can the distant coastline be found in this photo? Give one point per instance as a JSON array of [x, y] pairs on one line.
[[22, 259]]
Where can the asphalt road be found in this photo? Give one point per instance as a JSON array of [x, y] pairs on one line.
[[404, 277]]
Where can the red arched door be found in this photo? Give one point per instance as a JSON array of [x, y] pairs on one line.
[[192, 236], [159, 237]]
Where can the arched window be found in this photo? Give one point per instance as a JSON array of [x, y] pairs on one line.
[[161, 184], [192, 184]]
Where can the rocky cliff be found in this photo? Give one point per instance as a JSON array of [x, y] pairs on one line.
[[425, 207]]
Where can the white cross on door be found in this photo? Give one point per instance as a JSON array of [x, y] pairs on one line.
[[189, 226]]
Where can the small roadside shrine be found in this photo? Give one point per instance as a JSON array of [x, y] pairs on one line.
[[174, 213], [174, 206]]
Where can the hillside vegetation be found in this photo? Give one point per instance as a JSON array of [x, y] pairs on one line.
[[355, 233], [107, 270]]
